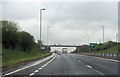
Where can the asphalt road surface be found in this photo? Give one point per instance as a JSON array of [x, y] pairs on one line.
[[67, 64]]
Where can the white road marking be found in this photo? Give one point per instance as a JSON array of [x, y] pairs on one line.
[[31, 74], [106, 59], [40, 68], [43, 66], [95, 70], [74, 58], [99, 72], [79, 60], [101, 58], [36, 71], [48, 62], [89, 66], [26, 67]]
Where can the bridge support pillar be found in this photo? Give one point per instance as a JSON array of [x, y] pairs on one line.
[[78, 49]]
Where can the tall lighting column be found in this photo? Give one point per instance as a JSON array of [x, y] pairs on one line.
[[41, 25], [88, 38], [48, 34], [103, 34]]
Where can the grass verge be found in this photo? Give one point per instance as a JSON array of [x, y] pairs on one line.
[[109, 50], [11, 57]]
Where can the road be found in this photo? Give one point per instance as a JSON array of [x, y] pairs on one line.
[[67, 64]]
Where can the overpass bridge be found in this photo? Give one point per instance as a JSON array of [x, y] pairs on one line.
[[77, 46]]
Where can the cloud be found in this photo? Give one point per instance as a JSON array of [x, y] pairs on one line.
[[70, 21]]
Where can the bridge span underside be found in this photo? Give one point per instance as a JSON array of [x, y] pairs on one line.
[[77, 47]]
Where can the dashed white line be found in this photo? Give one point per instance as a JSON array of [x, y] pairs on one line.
[[36, 71], [89, 66], [95, 70], [25, 67], [79, 60], [74, 58], [40, 68], [31, 74], [49, 62], [43, 66]]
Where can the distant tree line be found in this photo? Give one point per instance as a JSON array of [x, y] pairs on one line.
[[12, 37], [101, 46]]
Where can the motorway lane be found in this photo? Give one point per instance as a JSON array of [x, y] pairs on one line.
[[66, 65], [72, 64], [104, 66]]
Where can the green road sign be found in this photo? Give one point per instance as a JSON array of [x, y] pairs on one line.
[[46, 48], [43, 48], [93, 45]]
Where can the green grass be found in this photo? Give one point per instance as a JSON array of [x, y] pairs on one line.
[[109, 50], [15, 56]]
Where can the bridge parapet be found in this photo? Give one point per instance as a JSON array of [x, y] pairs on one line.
[[63, 45]]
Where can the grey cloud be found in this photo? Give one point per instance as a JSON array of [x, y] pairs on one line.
[[70, 22]]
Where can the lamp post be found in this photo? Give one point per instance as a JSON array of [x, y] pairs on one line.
[[116, 37], [48, 34], [103, 34], [50, 38], [41, 25]]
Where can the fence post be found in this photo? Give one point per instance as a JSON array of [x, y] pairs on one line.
[[104, 54], [112, 55], [117, 54], [109, 54]]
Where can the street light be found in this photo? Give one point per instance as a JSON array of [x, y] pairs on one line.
[[48, 34], [103, 34], [116, 37], [41, 24], [50, 39]]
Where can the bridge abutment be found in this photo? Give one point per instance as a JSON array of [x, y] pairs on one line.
[[78, 49]]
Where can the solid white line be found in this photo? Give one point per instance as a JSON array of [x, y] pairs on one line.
[[45, 64], [48, 62], [89, 66], [106, 59], [31, 74], [25, 67], [99, 72], [101, 58]]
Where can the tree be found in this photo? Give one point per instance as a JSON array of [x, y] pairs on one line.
[[26, 40], [9, 33]]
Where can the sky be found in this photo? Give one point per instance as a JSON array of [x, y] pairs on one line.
[[71, 23]]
